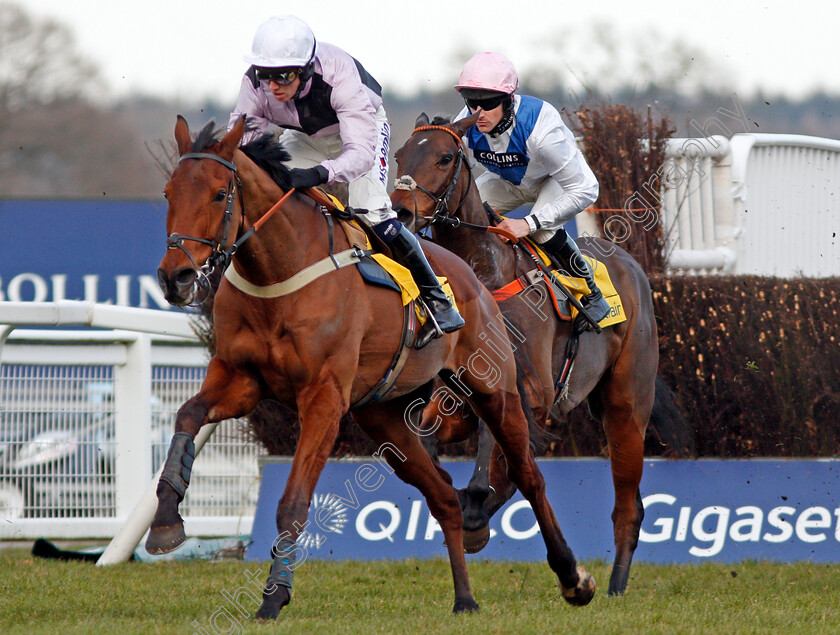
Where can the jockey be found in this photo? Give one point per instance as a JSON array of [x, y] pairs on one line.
[[531, 157], [336, 131]]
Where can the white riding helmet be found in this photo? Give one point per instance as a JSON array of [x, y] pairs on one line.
[[488, 72], [280, 42]]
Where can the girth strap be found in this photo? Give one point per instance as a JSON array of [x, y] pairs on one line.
[[397, 363]]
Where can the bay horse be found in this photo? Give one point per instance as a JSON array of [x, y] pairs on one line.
[[615, 373], [319, 349]]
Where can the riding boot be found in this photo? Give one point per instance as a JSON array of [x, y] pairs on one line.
[[567, 253], [444, 317]]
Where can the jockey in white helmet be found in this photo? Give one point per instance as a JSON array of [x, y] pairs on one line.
[[336, 130], [531, 157]]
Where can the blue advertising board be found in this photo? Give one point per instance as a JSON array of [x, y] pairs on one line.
[[695, 511], [95, 250]]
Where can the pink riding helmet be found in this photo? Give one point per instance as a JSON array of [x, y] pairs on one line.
[[489, 71]]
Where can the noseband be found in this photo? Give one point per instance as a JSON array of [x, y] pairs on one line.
[[441, 213], [220, 256]]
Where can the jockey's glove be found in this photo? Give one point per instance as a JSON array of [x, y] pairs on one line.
[[308, 177]]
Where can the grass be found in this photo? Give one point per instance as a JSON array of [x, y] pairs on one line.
[[41, 596]]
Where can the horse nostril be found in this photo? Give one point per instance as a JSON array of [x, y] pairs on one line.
[[163, 279], [184, 277]]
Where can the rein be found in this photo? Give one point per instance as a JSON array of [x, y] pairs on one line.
[[441, 215]]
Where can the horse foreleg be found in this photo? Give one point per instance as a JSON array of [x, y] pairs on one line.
[[490, 487], [320, 408], [224, 394], [479, 499], [507, 422]]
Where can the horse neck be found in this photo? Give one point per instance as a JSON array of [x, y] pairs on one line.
[[292, 239], [490, 258]]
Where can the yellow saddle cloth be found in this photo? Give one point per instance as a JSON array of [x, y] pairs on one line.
[[577, 287], [402, 276]]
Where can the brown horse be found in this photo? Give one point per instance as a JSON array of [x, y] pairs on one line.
[[319, 349], [615, 373]]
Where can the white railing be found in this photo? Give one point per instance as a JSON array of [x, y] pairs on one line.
[[697, 210], [760, 204], [86, 416]]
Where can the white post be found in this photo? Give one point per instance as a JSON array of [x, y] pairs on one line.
[[727, 229], [126, 541], [132, 421], [5, 329]]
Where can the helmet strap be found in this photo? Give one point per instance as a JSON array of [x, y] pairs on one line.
[[506, 120], [308, 69]]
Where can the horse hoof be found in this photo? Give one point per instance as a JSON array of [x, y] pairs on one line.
[[165, 539], [270, 607], [465, 606], [582, 594], [476, 539]]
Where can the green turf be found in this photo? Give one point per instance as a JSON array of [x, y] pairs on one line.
[[40, 596]]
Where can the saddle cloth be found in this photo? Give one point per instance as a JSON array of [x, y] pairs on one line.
[[396, 273], [577, 287]]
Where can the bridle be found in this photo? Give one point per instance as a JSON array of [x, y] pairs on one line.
[[441, 213], [220, 256]]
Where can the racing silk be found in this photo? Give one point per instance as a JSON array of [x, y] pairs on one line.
[[340, 98], [536, 147], [512, 163]]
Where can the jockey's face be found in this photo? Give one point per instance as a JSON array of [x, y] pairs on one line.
[[489, 119], [284, 92]]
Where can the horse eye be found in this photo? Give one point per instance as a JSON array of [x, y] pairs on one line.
[[220, 196], [446, 159], [164, 195]]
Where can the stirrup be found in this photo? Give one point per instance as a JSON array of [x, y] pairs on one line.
[[590, 303], [430, 330]]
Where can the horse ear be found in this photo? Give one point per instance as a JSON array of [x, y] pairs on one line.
[[231, 140], [462, 125], [422, 120], [182, 136]]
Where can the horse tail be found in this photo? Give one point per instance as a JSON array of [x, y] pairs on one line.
[[671, 434]]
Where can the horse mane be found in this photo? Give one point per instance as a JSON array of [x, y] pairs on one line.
[[440, 120], [268, 153], [264, 150]]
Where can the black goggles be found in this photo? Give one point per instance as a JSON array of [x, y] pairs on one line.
[[282, 76], [488, 103]]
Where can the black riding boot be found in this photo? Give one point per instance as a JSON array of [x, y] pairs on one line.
[[406, 251], [566, 251]]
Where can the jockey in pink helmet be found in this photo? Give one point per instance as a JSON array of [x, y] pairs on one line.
[[336, 130], [531, 157]]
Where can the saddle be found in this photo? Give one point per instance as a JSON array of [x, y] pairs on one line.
[[565, 292], [375, 263], [376, 267], [552, 277]]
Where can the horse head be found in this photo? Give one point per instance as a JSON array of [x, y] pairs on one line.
[[202, 202], [433, 162]]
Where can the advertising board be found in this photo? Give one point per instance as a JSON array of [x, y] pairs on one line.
[[98, 251], [695, 511]]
